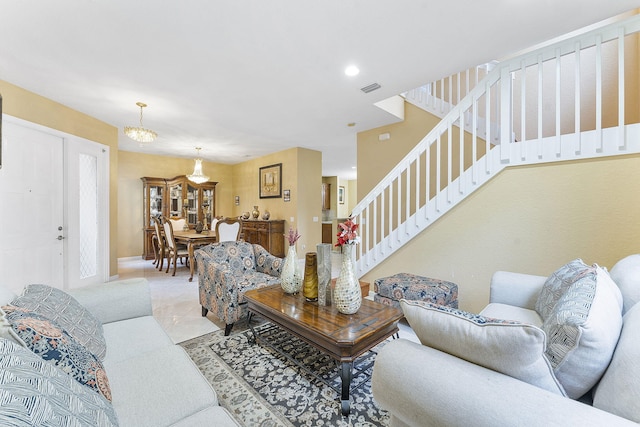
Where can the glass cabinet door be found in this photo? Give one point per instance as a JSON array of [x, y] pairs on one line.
[[192, 205], [207, 206], [175, 201], [155, 202]]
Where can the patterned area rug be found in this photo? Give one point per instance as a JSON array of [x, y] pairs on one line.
[[263, 388]]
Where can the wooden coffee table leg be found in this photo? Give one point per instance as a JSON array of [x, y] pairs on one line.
[[345, 375]]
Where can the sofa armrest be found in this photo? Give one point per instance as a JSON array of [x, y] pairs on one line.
[[421, 386], [520, 290], [118, 300], [267, 263]]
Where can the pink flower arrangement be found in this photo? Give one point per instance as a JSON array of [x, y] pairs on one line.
[[293, 236], [347, 235]]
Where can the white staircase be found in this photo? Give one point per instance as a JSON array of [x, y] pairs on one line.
[[558, 103]]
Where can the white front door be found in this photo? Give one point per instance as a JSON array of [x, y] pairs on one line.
[[31, 207], [54, 211]]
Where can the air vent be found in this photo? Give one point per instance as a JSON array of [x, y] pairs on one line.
[[370, 88]]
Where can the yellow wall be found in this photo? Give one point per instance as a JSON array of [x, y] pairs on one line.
[[302, 175], [376, 158], [133, 166], [531, 220], [29, 106]]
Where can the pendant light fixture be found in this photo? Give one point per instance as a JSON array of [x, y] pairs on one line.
[[197, 176], [140, 134]]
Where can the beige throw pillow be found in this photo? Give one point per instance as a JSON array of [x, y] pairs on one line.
[[512, 348]]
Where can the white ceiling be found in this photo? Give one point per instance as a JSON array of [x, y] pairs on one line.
[[245, 78]]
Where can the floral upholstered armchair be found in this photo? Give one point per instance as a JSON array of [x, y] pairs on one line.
[[226, 270]]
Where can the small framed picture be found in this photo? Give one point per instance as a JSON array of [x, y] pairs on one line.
[[286, 194], [237, 200], [271, 181], [341, 195]]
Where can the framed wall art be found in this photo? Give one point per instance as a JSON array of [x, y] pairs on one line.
[[270, 183], [341, 195], [287, 195]]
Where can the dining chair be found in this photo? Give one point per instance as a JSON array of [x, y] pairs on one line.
[[159, 241], [171, 248], [228, 230], [178, 223]]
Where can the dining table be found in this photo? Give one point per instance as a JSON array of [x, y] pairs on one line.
[[194, 240]]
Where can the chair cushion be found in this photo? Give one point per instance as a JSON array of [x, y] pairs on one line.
[[511, 312], [253, 280], [62, 308], [35, 392], [52, 343], [581, 311], [626, 274], [619, 390], [513, 348]]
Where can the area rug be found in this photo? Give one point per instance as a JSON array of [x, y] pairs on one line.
[[261, 387]]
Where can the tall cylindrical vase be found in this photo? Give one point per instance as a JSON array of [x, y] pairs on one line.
[[290, 279], [347, 296], [310, 283], [324, 273]]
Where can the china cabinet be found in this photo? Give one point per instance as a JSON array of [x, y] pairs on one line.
[[175, 198], [268, 234]]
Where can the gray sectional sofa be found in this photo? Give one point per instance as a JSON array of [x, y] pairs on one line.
[[152, 381]]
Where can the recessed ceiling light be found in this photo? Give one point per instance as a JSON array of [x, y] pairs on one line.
[[351, 71]]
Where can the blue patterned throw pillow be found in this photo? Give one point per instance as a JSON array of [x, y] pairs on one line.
[[581, 309], [53, 344], [66, 311], [33, 392]]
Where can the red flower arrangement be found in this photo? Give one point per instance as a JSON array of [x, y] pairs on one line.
[[347, 235]]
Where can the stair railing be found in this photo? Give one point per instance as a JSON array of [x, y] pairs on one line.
[[561, 102]]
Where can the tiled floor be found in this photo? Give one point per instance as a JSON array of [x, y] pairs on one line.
[[175, 299]]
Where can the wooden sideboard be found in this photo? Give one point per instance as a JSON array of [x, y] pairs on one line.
[[269, 234]]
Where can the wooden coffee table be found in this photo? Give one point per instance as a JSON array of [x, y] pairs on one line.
[[341, 336]]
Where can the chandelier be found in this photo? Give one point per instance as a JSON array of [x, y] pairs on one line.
[[140, 134], [197, 176]]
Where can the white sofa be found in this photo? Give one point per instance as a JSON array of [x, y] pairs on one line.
[[153, 381], [424, 386]]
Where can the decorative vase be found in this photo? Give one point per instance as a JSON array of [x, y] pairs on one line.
[[347, 295], [290, 279], [310, 284], [199, 227], [255, 213], [266, 215], [324, 273]]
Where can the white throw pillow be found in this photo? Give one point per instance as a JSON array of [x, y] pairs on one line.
[[581, 311], [619, 390], [513, 348], [626, 274]]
